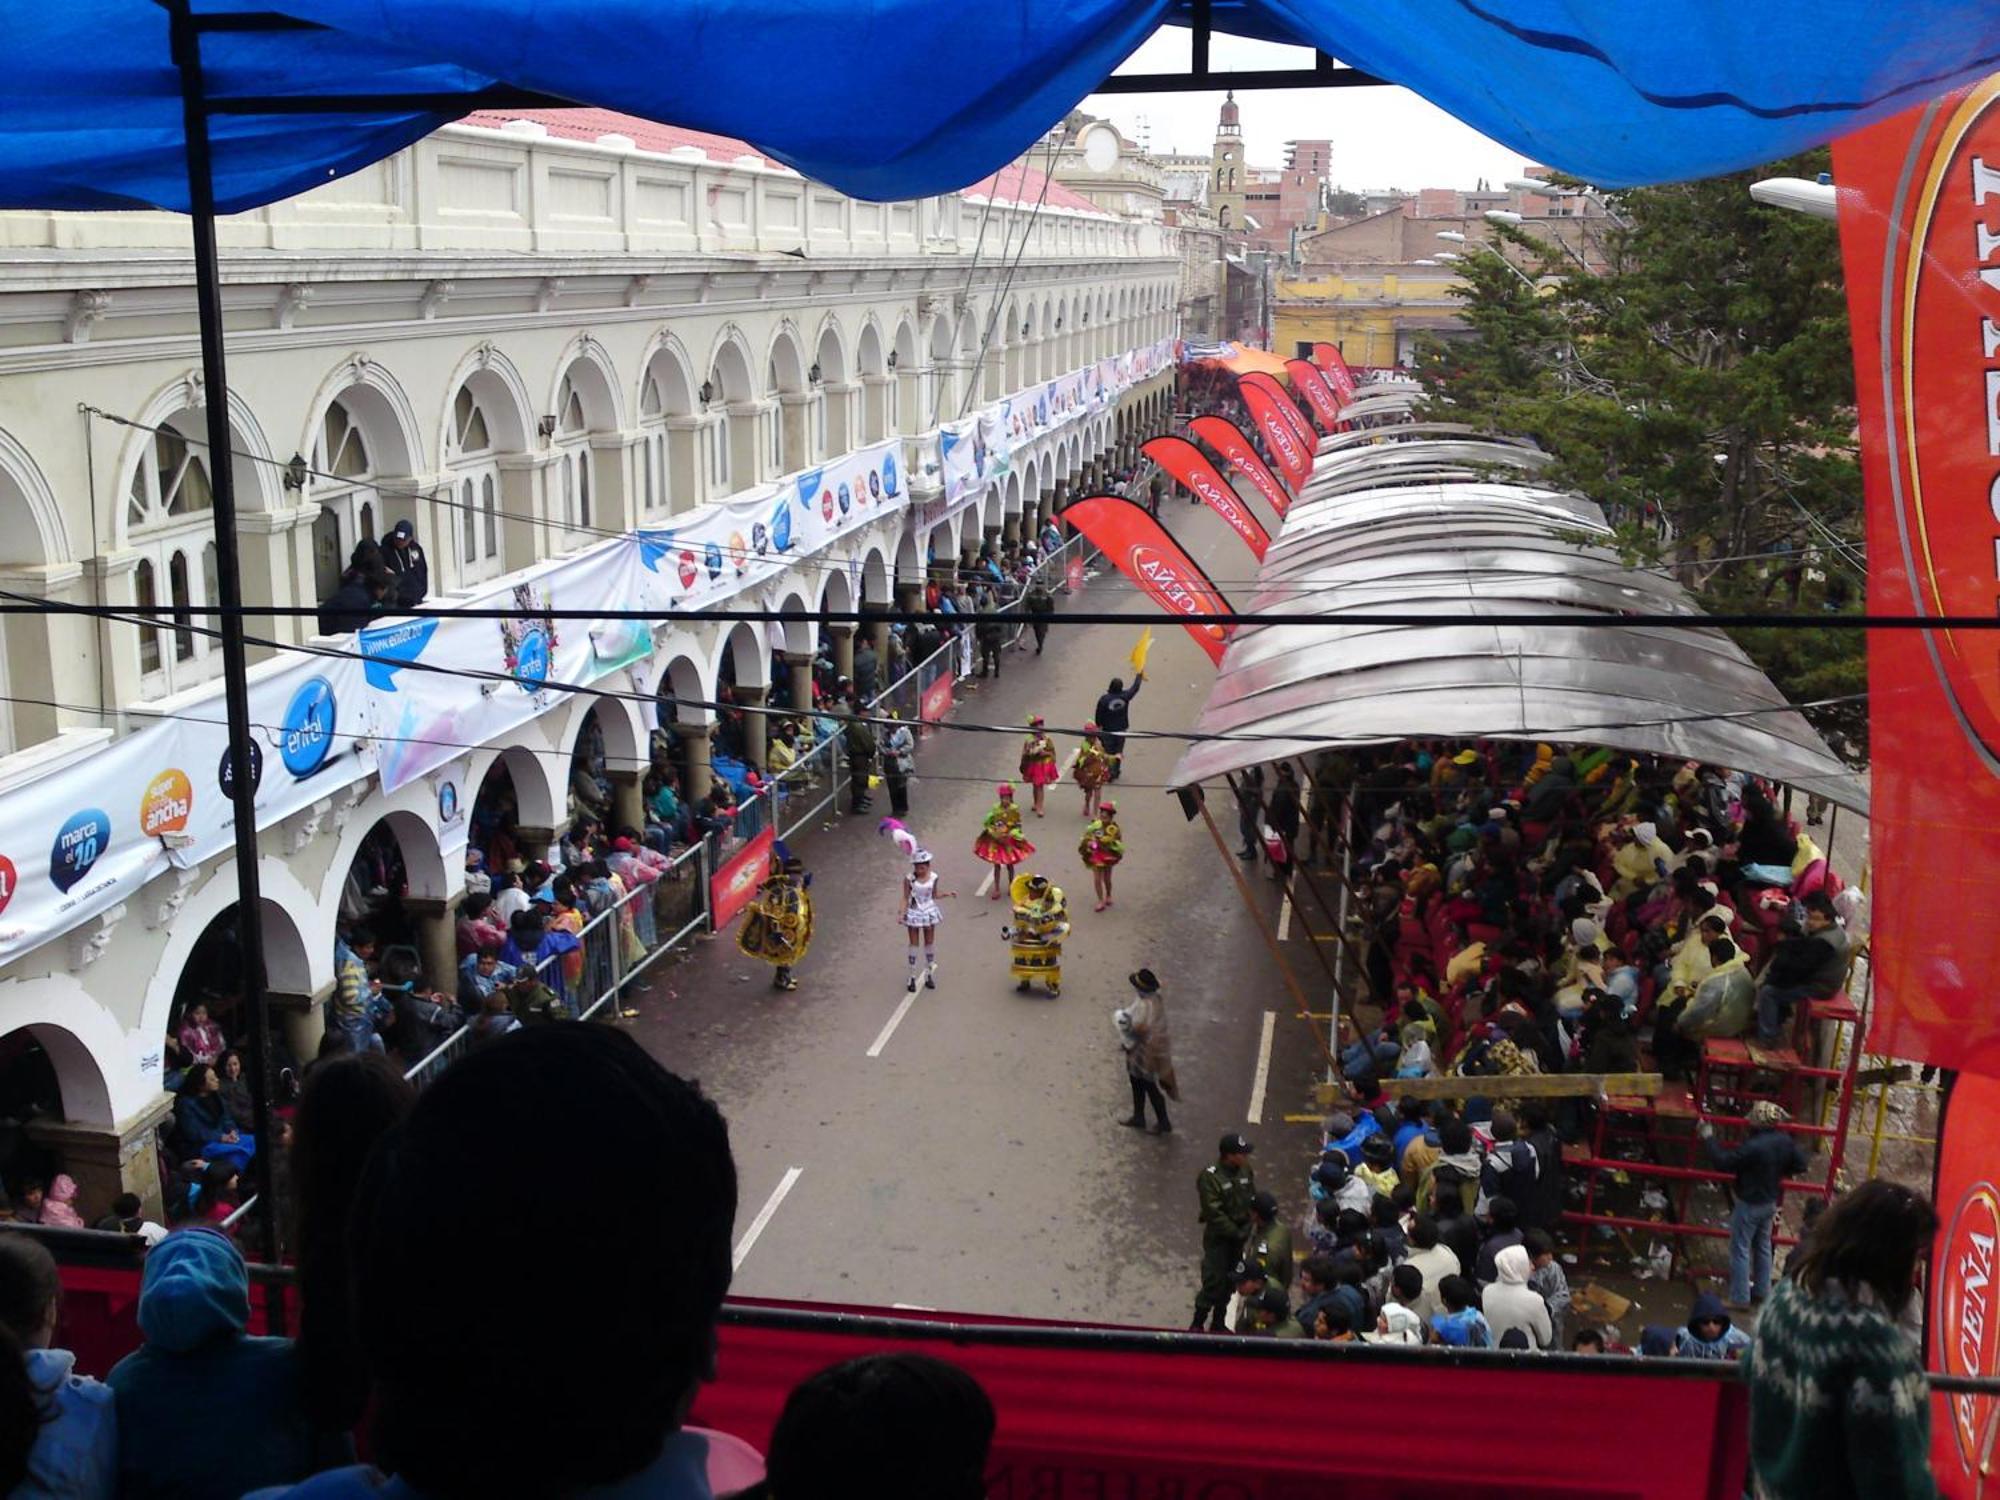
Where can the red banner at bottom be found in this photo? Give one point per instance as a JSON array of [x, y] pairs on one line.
[[731, 887], [1216, 1424], [936, 701]]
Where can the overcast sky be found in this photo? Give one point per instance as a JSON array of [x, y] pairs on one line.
[[1382, 137]]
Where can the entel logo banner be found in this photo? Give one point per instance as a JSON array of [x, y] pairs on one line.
[[1963, 1320], [1943, 322]]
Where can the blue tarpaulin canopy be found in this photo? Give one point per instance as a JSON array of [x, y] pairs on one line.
[[901, 98]]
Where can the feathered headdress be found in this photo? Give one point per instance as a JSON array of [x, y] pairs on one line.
[[904, 840]]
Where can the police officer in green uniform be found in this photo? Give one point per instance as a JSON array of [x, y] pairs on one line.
[[1227, 1190]]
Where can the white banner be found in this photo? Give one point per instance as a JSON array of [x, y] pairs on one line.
[[75, 843]]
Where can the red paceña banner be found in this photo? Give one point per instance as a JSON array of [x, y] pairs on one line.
[[1139, 547], [1191, 467], [1073, 573], [1328, 358], [1279, 435], [731, 887], [1964, 1326], [1308, 382], [1287, 407], [1920, 241], [1226, 438]]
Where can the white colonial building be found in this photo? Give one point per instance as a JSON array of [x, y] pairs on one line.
[[522, 335]]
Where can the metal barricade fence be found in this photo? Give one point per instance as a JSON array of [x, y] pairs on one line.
[[618, 944], [808, 787]]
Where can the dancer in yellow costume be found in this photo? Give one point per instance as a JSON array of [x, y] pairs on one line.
[[1041, 922], [779, 925]]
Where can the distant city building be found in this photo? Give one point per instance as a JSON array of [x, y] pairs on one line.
[[1378, 284]]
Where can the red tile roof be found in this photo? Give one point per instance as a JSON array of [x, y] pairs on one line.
[[1023, 184], [1016, 183], [589, 124]]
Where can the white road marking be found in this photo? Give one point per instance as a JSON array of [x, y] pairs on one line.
[[881, 1041], [1263, 1077], [763, 1219], [984, 885]]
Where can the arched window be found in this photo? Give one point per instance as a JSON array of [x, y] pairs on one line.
[[573, 459], [342, 483], [656, 485], [475, 475], [718, 434], [167, 509]]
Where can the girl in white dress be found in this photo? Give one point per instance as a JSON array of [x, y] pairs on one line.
[[921, 915]]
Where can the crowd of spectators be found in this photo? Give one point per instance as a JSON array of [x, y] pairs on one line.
[[1533, 911], [405, 1351]]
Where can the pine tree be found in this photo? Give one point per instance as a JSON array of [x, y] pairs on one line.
[[1701, 390]]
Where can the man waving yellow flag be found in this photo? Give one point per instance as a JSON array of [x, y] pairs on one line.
[[1141, 651]]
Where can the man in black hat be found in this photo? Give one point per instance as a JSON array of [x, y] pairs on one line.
[[1149, 1052], [1227, 1190], [407, 565]]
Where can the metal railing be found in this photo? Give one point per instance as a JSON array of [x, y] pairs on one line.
[[618, 943]]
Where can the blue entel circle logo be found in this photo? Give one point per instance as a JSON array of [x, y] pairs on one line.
[[78, 845], [531, 659], [307, 732]]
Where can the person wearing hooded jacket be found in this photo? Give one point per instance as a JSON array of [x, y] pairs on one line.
[[1709, 1332], [74, 1450], [198, 1374], [1511, 1303]]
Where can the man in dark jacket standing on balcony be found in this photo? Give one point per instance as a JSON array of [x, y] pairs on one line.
[[404, 557]]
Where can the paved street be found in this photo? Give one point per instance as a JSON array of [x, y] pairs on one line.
[[976, 1164]]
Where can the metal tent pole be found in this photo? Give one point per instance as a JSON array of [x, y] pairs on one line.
[[186, 44]]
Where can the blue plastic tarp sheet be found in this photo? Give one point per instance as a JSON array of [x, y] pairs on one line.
[[889, 99]]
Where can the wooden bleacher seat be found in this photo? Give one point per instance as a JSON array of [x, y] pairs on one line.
[[1725, 1052]]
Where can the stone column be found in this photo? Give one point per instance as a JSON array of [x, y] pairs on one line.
[[437, 940], [992, 539], [628, 799], [968, 557], [1011, 530], [755, 723], [843, 649], [799, 674], [697, 777], [107, 1160]]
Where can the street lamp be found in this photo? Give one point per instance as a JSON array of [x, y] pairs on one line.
[[1819, 199], [1447, 256], [1452, 235], [1534, 185], [1502, 216], [1430, 262]]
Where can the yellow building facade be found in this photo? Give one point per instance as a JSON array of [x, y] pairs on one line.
[[1375, 316]]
